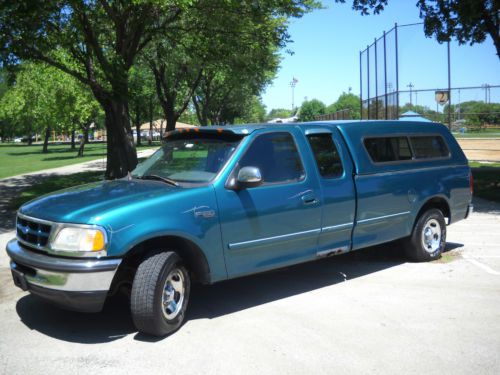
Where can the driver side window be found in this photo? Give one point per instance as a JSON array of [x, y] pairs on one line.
[[277, 157]]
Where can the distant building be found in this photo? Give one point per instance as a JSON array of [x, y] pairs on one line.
[[413, 116], [158, 128]]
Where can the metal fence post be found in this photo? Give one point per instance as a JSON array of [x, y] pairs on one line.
[[449, 89], [376, 79], [368, 79], [385, 79], [397, 70], [361, 84]]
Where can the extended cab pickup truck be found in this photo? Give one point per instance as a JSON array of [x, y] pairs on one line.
[[218, 203]]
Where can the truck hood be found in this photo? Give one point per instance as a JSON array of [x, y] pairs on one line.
[[83, 204]]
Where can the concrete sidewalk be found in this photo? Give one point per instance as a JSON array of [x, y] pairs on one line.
[[11, 187]]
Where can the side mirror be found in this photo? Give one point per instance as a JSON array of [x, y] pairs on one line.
[[249, 177]]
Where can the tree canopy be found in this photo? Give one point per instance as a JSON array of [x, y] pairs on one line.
[[468, 21], [44, 99], [310, 109], [346, 101], [100, 42], [279, 113]]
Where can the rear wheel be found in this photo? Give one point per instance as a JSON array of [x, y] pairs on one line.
[[428, 238], [160, 294]]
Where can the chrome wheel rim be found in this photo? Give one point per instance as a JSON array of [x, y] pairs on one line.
[[173, 294], [431, 236]]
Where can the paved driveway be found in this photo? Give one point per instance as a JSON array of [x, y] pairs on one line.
[[365, 312]]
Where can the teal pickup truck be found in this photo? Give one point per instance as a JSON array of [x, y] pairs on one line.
[[218, 203]]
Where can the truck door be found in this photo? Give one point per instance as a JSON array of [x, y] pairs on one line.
[[278, 222], [335, 170]]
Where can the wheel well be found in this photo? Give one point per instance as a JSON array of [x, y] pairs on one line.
[[436, 202], [190, 253]]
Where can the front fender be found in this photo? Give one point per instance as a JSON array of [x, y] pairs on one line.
[[191, 214]]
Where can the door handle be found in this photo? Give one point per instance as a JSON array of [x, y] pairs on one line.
[[309, 199]]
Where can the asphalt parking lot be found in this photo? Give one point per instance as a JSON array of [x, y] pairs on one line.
[[364, 312]]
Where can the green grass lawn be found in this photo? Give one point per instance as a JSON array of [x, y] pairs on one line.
[[19, 158], [485, 133]]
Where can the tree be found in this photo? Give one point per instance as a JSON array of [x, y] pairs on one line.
[[31, 103], [43, 99], [278, 113], [100, 40], [254, 112], [228, 85], [242, 56], [346, 101], [223, 96], [465, 20], [142, 97], [177, 63], [477, 113], [5, 125], [310, 109]]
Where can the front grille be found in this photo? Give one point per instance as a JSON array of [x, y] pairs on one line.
[[32, 232]]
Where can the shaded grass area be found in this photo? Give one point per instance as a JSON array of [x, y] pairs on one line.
[[17, 159], [55, 183], [487, 181]]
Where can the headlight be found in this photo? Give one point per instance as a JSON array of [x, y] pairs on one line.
[[80, 239]]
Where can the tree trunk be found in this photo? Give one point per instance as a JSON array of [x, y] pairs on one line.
[[45, 141], [150, 139], [80, 149], [201, 112], [86, 128], [30, 136], [73, 139], [121, 153], [170, 115], [138, 128]]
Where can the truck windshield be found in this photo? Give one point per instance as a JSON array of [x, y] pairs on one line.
[[191, 160]]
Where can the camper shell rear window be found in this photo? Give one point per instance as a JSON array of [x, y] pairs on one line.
[[394, 149]]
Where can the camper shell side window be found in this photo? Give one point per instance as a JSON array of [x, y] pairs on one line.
[[397, 149]]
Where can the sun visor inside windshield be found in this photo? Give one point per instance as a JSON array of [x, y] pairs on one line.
[[190, 133]]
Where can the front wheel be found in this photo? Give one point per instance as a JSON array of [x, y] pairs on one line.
[[160, 294], [428, 238]]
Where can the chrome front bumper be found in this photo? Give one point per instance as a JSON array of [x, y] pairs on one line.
[[78, 284]]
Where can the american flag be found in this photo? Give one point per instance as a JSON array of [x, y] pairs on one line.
[[295, 80]]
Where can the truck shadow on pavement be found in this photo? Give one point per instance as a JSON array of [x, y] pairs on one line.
[[211, 301]]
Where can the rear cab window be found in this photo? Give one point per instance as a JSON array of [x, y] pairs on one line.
[[326, 155]]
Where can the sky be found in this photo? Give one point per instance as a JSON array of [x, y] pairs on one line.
[[325, 60]]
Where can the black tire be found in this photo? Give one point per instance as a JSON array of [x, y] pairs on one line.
[[148, 294], [416, 247]]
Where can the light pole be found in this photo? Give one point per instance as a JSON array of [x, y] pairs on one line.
[[293, 83], [411, 86], [487, 98]]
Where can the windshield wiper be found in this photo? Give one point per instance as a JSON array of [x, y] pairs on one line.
[[159, 178]]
